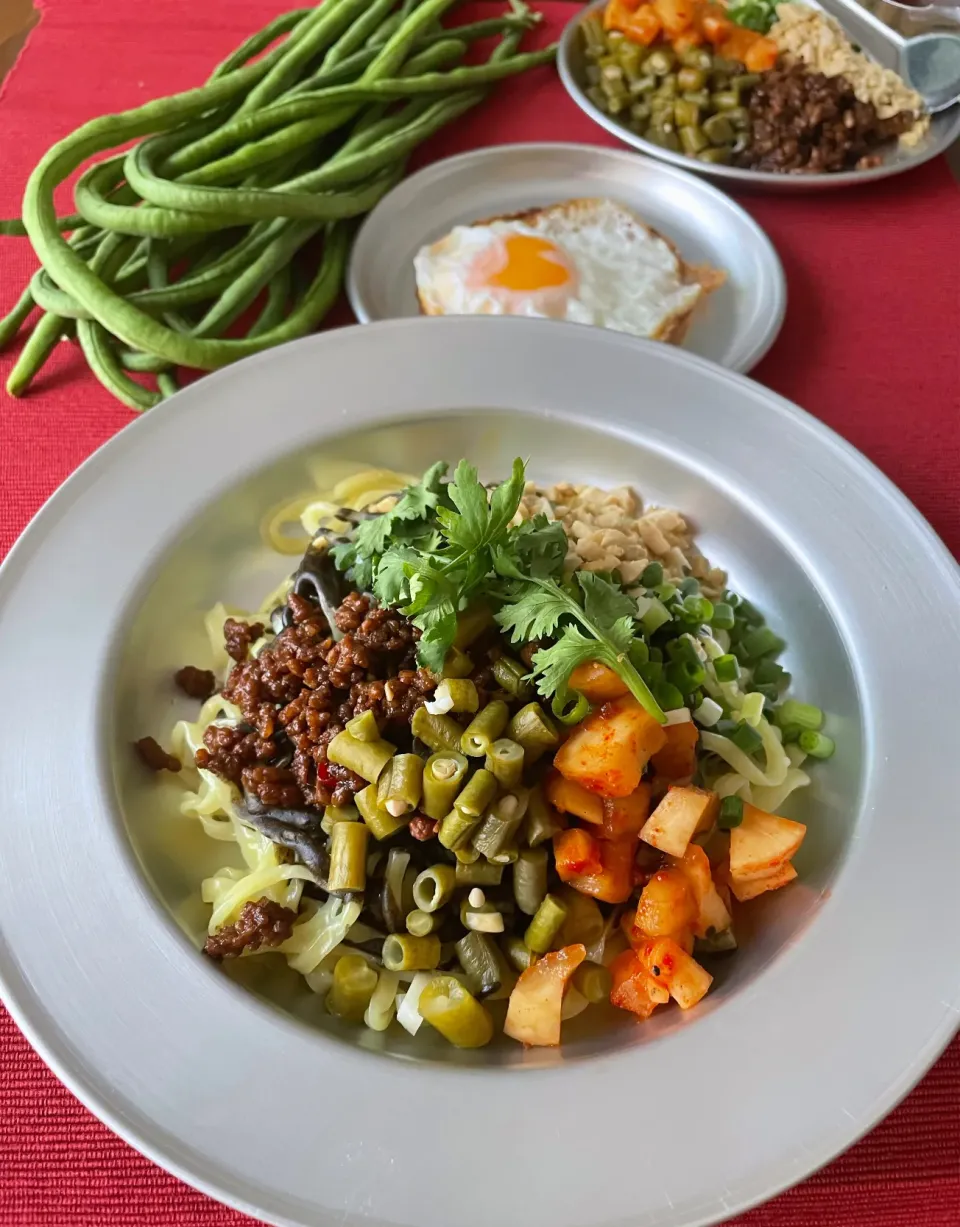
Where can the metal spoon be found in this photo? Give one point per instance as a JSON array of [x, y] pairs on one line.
[[929, 63]]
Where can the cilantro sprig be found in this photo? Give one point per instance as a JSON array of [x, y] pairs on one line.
[[447, 545]]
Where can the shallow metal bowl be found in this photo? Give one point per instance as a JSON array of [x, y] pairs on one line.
[[805, 1042], [571, 62]]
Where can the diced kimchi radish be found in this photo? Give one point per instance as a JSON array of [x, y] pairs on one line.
[[678, 817], [678, 758], [572, 798], [633, 987], [762, 843], [644, 26], [715, 24], [676, 971], [667, 905], [712, 912], [609, 750], [576, 852], [676, 15], [762, 55], [686, 41], [625, 815], [614, 881], [750, 889], [617, 14], [533, 1013], [596, 681]]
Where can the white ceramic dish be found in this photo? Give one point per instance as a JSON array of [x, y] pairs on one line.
[[735, 326], [860, 26], [842, 996]]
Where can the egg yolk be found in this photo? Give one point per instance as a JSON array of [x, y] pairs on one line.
[[523, 263]]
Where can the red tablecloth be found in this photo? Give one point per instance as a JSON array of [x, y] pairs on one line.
[[870, 346]]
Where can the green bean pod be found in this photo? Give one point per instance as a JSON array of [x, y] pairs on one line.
[[480, 790], [510, 675], [353, 983], [366, 758], [436, 732], [333, 814], [542, 821], [484, 729], [478, 958], [457, 664], [434, 887], [480, 872], [532, 728], [545, 925], [381, 824], [420, 924], [400, 785], [402, 952], [501, 823], [454, 694], [483, 919], [505, 760], [530, 879], [364, 727], [594, 981], [348, 857], [443, 775], [455, 1013], [519, 955], [456, 829]]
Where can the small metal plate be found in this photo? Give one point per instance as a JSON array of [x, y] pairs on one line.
[[734, 327], [944, 130]]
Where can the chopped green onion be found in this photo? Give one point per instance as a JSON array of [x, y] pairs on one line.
[[771, 672], [752, 709], [762, 642], [652, 673], [668, 696], [656, 655], [726, 668], [654, 617], [708, 713], [731, 813], [746, 738], [678, 715], [749, 613], [682, 649], [722, 619], [689, 586], [769, 691], [652, 575], [666, 592], [695, 698], [803, 714], [639, 653], [686, 675], [570, 708], [731, 598], [698, 607], [817, 745], [790, 733]]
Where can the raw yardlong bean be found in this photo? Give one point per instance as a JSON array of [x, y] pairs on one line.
[[354, 38]]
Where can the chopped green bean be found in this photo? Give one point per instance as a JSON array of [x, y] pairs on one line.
[[519, 955], [420, 924], [483, 919], [505, 760], [434, 887], [731, 813], [546, 924], [509, 675], [401, 785], [480, 873], [454, 694], [366, 758], [455, 1013], [817, 745], [542, 822], [478, 958], [584, 923], [333, 814], [530, 879], [364, 727], [501, 823], [402, 952], [382, 824], [348, 857], [456, 829], [471, 625], [354, 981], [484, 729], [533, 729], [480, 790], [436, 732]]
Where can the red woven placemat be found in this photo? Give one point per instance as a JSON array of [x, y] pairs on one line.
[[869, 346]]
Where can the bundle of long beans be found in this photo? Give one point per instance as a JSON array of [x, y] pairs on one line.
[[302, 129]]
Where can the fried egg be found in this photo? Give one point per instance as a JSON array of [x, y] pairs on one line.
[[586, 261]]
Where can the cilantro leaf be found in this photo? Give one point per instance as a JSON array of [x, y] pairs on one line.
[[505, 500], [467, 526], [604, 602], [438, 628], [552, 666], [391, 582], [539, 547], [536, 613]]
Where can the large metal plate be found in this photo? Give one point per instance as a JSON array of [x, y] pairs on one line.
[[735, 326], [686, 1120], [944, 128]]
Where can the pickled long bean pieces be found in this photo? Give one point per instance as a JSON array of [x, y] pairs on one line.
[[478, 958], [382, 824], [484, 729], [436, 732], [505, 760], [532, 728], [400, 785], [446, 1005], [366, 758], [530, 879], [354, 982], [546, 924], [402, 952], [434, 887], [348, 857], [443, 775]]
